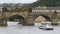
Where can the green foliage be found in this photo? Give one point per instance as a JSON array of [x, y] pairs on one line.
[[47, 3]]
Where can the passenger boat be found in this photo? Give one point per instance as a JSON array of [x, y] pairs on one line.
[[45, 26]]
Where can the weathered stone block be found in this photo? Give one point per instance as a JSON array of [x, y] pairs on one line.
[[54, 22], [28, 24], [3, 23]]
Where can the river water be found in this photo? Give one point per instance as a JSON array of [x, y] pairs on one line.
[[14, 28]]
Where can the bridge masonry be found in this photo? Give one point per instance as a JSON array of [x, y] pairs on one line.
[[29, 17]]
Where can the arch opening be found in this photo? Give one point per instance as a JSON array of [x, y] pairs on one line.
[[42, 18], [16, 18]]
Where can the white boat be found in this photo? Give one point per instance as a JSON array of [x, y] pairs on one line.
[[45, 26]]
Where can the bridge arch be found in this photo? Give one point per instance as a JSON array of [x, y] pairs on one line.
[[17, 17], [41, 18]]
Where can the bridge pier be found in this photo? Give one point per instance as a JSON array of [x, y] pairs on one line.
[[28, 22], [3, 23], [55, 22]]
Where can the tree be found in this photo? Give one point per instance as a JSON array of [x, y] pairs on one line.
[[47, 3]]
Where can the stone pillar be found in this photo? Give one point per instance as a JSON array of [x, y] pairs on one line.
[[28, 22], [24, 22], [54, 22], [3, 23]]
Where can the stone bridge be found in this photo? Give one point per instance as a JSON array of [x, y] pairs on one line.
[[28, 18]]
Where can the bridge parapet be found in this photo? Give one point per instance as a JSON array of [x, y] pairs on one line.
[[9, 14]]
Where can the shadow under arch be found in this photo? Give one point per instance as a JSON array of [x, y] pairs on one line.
[[47, 17], [44, 16], [18, 18]]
